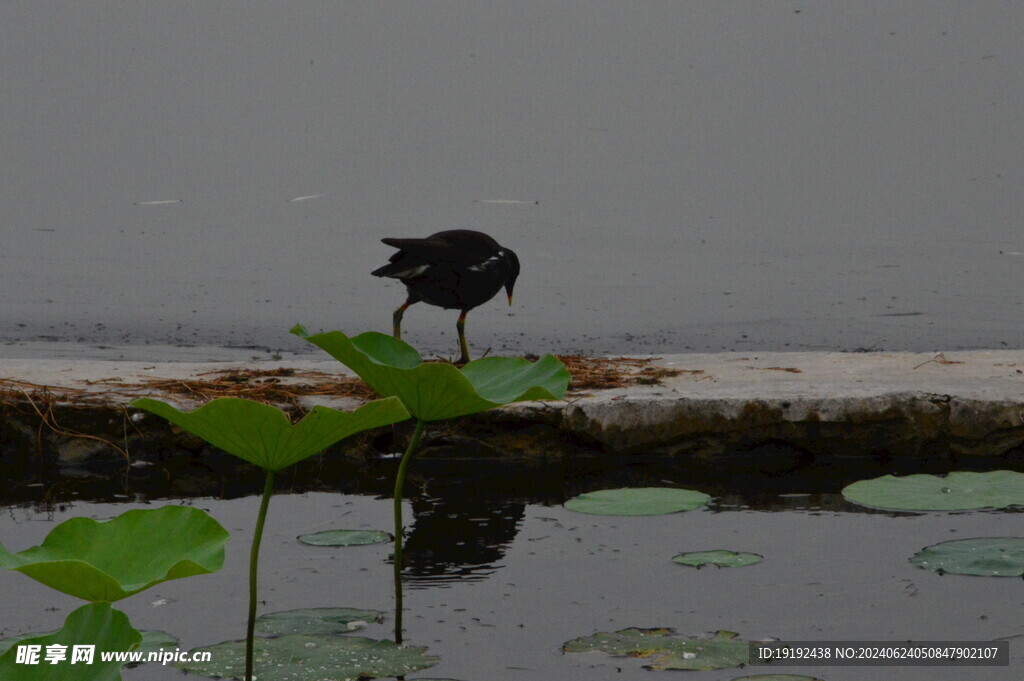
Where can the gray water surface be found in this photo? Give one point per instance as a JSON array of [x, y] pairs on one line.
[[674, 175], [830, 576]]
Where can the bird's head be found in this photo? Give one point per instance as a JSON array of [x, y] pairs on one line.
[[513, 273]]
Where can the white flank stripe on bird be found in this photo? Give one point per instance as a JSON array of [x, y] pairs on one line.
[[411, 272]]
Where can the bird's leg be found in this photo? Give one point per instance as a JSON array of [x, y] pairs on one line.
[[397, 320], [461, 327]]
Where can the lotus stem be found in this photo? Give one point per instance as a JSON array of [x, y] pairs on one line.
[[414, 442], [254, 556]]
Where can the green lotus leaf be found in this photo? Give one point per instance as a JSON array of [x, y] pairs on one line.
[[957, 491], [984, 557], [777, 677], [719, 558], [433, 392], [345, 537], [152, 641], [263, 435], [95, 624], [664, 651], [317, 621], [298, 657], [638, 501], [6, 643], [112, 559]]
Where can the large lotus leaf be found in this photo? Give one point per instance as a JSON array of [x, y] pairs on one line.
[[345, 537], [718, 558], [95, 624], [433, 392], [112, 559], [665, 652], [953, 492], [638, 501], [263, 435], [298, 657], [985, 557], [317, 621]]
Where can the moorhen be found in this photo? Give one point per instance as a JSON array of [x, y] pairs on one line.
[[455, 269]]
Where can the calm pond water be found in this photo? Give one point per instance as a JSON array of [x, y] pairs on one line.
[[674, 176], [499, 575]]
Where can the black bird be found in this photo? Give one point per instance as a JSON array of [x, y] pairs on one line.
[[455, 269]]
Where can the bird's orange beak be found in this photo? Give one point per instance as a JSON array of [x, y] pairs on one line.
[[510, 300]]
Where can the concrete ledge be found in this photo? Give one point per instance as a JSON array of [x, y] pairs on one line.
[[844, 404], [840, 403]]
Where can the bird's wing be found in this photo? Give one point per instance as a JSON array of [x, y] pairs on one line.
[[458, 247]]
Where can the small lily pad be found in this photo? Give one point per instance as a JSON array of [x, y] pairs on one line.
[[112, 559], [777, 677], [345, 537], [664, 651], [984, 557], [298, 657], [958, 491], [95, 624], [317, 621], [638, 501], [719, 558], [153, 640]]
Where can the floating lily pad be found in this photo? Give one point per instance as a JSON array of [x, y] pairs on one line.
[[263, 435], [957, 491], [431, 391], [719, 558], [345, 537], [638, 501], [298, 657], [777, 677], [316, 621], [95, 624], [985, 557], [665, 652], [153, 640], [6, 643], [112, 559]]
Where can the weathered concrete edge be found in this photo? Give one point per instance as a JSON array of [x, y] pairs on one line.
[[969, 403], [913, 404], [898, 423]]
